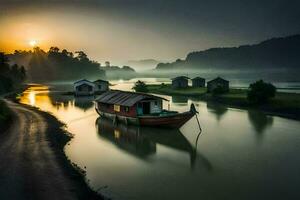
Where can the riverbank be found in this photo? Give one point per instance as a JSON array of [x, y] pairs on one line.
[[44, 174], [284, 104], [59, 138]]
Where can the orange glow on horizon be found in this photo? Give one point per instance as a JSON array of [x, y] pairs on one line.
[[22, 34], [33, 43]]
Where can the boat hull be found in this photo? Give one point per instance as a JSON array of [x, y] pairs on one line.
[[170, 121], [118, 118]]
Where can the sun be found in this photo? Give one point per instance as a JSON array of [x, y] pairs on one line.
[[32, 43]]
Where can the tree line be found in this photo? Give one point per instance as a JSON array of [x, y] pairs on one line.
[[56, 64], [11, 76]]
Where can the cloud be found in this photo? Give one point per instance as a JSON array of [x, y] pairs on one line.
[[162, 29]]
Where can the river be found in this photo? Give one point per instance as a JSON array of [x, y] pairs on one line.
[[240, 154]]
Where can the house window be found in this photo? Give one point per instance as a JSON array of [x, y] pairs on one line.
[[117, 134], [127, 109], [155, 103], [117, 108], [99, 87]]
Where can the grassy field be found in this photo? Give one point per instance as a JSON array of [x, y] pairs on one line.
[[5, 116], [284, 104], [168, 90]]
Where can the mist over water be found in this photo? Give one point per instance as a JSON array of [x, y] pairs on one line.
[[230, 160], [126, 84]]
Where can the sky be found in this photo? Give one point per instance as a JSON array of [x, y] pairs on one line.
[[122, 30]]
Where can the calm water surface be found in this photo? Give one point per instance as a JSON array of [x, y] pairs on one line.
[[239, 155]]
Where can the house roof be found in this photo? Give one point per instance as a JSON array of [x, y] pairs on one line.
[[124, 98], [198, 78], [100, 80], [180, 77], [218, 79], [83, 81]]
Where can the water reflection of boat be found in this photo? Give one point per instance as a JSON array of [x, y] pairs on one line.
[[127, 138], [139, 109], [142, 141]]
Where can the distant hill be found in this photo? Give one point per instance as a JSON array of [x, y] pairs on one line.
[[116, 72], [145, 64], [277, 53]]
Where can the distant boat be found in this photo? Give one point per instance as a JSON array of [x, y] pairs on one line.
[[139, 109]]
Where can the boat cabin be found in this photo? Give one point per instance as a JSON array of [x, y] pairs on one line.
[[130, 104], [84, 87]]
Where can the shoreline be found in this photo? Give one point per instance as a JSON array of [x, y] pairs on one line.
[[283, 105], [58, 138]]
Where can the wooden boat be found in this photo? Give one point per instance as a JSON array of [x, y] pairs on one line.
[[140, 109]]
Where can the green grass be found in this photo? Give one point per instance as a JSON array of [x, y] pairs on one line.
[[167, 89], [285, 101], [284, 104], [5, 116], [192, 91]]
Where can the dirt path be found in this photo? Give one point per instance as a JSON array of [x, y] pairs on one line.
[[29, 168]]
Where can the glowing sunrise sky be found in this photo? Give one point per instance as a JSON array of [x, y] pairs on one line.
[[121, 30]]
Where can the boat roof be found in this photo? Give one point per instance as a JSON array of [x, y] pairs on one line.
[[124, 98]]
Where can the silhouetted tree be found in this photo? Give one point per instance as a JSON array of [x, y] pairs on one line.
[[17, 74], [56, 65], [4, 66], [82, 56], [10, 76], [140, 86], [37, 50], [53, 50], [64, 52], [261, 92]]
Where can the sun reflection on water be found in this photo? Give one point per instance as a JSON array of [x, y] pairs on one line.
[[31, 98], [30, 95]]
